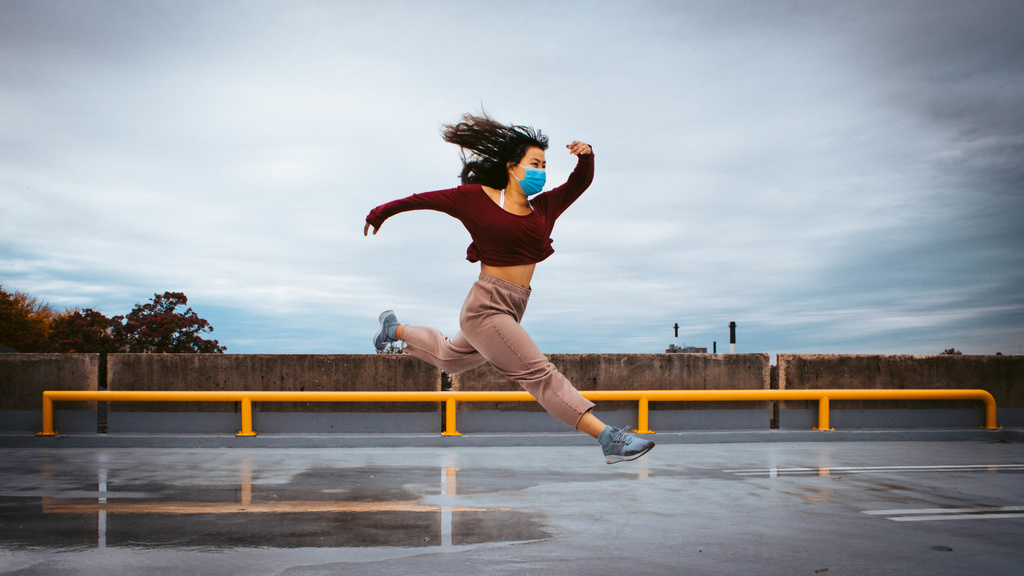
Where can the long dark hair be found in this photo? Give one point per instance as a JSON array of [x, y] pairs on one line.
[[492, 145]]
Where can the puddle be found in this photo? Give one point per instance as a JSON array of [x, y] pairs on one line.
[[321, 507], [267, 529]]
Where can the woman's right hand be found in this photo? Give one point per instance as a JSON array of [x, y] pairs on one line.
[[366, 230]]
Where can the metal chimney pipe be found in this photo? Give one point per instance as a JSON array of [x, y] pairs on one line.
[[732, 337]]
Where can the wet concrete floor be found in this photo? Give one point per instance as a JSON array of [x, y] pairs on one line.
[[772, 508]]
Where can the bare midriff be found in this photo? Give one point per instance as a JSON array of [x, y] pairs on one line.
[[521, 274]]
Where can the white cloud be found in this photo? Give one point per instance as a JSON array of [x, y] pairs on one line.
[[825, 176]]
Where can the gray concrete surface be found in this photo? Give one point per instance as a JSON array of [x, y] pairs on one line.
[[737, 508], [634, 372], [290, 372]]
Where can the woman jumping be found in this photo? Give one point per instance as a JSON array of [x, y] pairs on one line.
[[510, 222]]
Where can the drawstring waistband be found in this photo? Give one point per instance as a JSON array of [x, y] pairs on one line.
[[505, 285]]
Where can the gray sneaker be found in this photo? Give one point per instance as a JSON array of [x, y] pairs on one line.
[[620, 444], [386, 334]]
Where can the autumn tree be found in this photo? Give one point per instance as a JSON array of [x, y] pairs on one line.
[[86, 331], [28, 325], [159, 327], [24, 322]]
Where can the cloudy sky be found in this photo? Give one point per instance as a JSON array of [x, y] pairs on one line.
[[834, 177]]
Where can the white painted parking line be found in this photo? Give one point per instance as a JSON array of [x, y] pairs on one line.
[[832, 470], [940, 514], [954, 517], [944, 511]]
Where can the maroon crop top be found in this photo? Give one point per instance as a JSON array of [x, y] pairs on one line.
[[500, 238]]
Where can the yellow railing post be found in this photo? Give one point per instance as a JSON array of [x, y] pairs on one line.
[[823, 414], [642, 414], [47, 416], [449, 418], [246, 418], [990, 411]]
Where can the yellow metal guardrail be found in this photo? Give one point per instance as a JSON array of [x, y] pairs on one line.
[[644, 397]]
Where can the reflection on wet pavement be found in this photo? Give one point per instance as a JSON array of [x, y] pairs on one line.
[[767, 508], [183, 501], [319, 507]]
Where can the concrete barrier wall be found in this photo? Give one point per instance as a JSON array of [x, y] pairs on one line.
[[1002, 376], [24, 377], [635, 372], [279, 372]]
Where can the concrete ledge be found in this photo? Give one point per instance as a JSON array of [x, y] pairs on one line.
[[793, 419], [72, 421], [22, 440], [501, 422], [310, 424]]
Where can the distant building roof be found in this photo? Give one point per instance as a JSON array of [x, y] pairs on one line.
[[673, 349], [6, 350]]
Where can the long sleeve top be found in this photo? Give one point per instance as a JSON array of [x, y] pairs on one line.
[[500, 238]]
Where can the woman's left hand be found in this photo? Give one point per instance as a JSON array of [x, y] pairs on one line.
[[578, 148]]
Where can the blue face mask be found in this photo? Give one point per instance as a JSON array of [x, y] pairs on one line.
[[533, 181]]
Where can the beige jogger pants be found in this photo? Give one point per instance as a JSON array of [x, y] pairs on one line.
[[490, 332]]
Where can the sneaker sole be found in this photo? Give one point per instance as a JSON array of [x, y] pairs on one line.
[[377, 336], [615, 459]]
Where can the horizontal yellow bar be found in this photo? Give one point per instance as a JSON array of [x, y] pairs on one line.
[[644, 396], [514, 396]]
